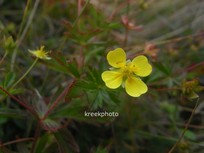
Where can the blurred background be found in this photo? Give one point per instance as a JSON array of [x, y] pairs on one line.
[[78, 35]]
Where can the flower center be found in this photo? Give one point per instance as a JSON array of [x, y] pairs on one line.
[[126, 71]]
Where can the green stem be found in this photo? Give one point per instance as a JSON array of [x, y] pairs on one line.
[[4, 56], [29, 21], [21, 78]]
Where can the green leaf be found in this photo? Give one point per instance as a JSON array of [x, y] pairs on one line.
[[114, 25], [50, 125], [98, 101], [5, 150], [9, 44], [58, 65], [190, 135], [110, 98], [16, 91], [86, 84], [23, 148], [74, 110], [14, 113], [42, 142], [163, 68], [73, 69], [2, 120], [66, 141], [101, 150], [13, 91], [9, 79], [93, 53], [192, 95]]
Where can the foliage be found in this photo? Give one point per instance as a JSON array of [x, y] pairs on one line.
[[55, 105]]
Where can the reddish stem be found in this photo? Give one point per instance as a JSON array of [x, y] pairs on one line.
[[126, 37], [20, 102], [79, 7], [59, 98], [119, 8], [164, 89], [191, 68], [37, 133], [195, 66]]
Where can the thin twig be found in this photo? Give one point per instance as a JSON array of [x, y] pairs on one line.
[[16, 141], [185, 129], [200, 127]]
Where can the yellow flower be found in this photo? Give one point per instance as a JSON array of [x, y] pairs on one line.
[[127, 73], [40, 53]]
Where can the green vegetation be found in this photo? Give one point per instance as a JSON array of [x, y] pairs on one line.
[[52, 98]]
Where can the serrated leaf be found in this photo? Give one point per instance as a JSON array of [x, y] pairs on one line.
[[109, 98], [98, 101]]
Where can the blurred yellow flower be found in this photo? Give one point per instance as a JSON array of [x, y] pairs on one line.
[[40, 53], [127, 73]]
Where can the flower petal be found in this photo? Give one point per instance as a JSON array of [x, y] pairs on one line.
[[112, 79], [40, 53], [140, 66], [135, 86], [117, 58]]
